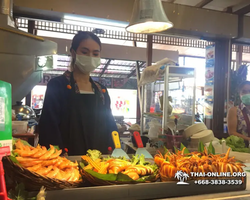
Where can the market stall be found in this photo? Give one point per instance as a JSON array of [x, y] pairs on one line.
[[121, 176], [110, 177]]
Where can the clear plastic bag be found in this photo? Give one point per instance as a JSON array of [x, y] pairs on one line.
[[154, 128], [150, 74]]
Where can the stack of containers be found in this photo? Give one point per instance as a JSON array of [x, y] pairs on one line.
[[198, 133]]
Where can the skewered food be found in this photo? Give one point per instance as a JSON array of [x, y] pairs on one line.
[[170, 163], [135, 169], [46, 162]]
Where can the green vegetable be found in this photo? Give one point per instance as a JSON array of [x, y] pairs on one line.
[[201, 147], [14, 160], [165, 150], [136, 160], [94, 154], [13, 154], [139, 160], [82, 165], [110, 177], [146, 178], [211, 149], [175, 150], [120, 158], [56, 147], [14, 140], [20, 193], [42, 194], [186, 151], [237, 144]]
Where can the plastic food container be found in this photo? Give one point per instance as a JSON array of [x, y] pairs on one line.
[[174, 141], [19, 127]]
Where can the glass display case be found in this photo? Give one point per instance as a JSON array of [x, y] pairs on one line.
[[168, 96]]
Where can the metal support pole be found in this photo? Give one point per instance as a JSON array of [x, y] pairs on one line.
[[239, 56], [194, 96], [165, 100], [139, 93], [143, 95], [228, 75]]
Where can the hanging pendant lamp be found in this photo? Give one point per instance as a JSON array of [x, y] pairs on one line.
[[148, 17]]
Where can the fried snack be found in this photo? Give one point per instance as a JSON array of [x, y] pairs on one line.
[[115, 166], [170, 163], [47, 162]]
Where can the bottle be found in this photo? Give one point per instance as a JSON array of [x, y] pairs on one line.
[[5, 115]]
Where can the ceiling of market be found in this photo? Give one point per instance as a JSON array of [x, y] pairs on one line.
[[234, 7], [230, 6]]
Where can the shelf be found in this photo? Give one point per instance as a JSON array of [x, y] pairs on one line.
[[153, 115]]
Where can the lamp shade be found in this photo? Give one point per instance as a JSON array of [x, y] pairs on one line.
[[148, 17]]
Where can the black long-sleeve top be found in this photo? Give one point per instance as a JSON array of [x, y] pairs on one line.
[[87, 125]]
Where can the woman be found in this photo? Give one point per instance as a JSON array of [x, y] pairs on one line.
[[76, 113], [238, 117]]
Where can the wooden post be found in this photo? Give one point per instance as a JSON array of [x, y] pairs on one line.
[[223, 49]]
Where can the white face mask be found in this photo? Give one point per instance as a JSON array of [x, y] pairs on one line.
[[87, 64]]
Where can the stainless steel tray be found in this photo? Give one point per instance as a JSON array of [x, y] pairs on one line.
[[141, 191]]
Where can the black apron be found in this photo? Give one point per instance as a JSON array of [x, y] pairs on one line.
[[85, 124]]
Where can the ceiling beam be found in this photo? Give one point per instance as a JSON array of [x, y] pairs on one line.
[[242, 8], [203, 3], [228, 9], [105, 67]]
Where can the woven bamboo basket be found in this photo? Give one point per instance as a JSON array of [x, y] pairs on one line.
[[99, 182], [34, 181]]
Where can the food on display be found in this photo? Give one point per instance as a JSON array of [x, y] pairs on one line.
[[203, 161], [137, 168], [46, 162], [236, 144]]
